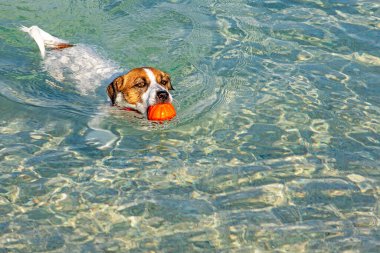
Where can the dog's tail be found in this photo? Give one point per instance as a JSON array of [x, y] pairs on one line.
[[44, 39]]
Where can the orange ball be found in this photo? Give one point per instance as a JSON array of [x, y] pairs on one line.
[[161, 112]]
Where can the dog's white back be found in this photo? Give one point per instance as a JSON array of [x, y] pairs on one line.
[[80, 64]]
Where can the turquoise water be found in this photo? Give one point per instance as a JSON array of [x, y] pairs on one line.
[[276, 146]]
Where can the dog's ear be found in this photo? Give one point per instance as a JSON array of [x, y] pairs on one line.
[[170, 86], [167, 81], [114, 88]]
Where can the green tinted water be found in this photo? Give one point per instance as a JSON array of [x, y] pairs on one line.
[[275, 148]]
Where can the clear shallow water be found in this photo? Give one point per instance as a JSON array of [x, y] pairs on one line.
[[276, 147]]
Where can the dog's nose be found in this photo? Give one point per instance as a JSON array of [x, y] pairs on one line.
[[163, 95]]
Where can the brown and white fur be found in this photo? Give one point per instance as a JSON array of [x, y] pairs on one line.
[[80, 64], [140, 88]]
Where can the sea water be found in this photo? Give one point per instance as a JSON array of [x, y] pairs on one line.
[[276, 146]]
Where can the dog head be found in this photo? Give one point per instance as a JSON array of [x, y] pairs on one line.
[[141, 88]]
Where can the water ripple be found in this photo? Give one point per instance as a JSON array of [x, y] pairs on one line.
[[275, 147]]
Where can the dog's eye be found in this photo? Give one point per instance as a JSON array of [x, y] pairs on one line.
[[164, 82], [140, 85]]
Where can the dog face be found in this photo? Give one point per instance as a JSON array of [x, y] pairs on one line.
[[141, 88]]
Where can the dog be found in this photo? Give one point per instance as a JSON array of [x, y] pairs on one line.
[[136, 90]]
